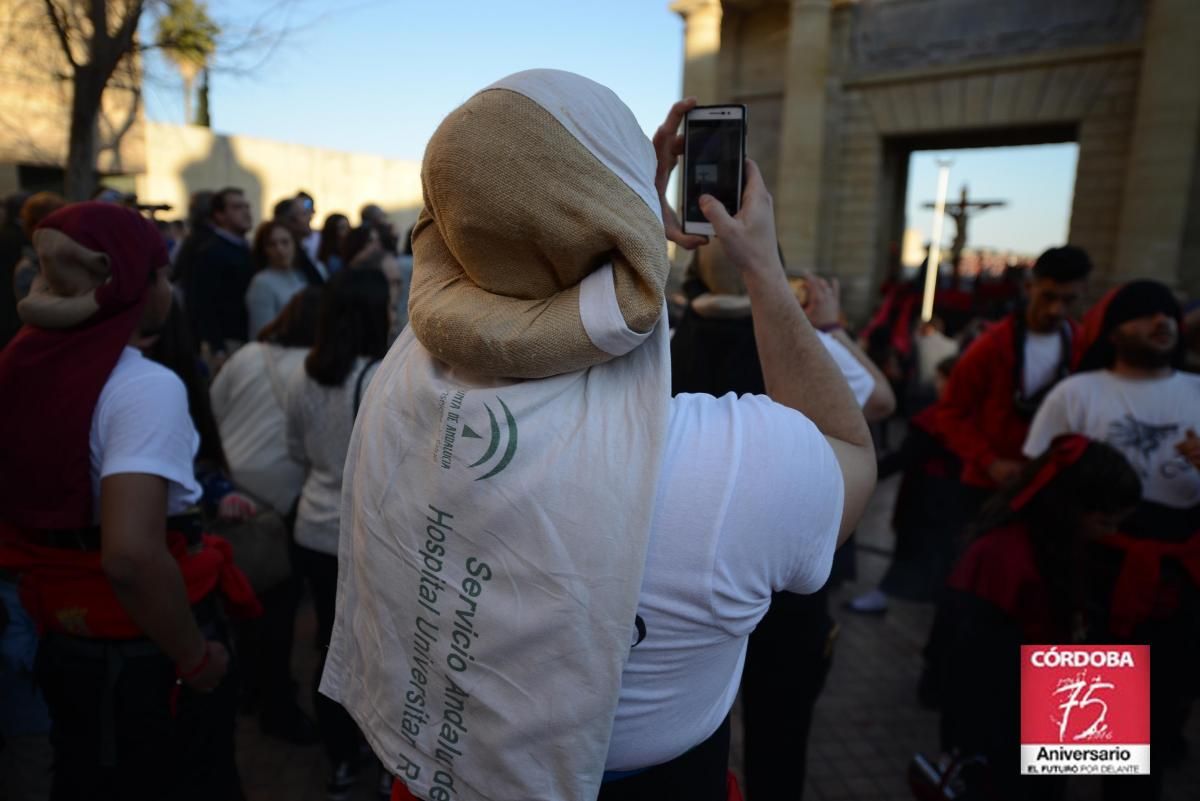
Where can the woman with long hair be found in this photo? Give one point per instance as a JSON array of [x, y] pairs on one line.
[[361, 244], [1034, 572], [333, 239], [277, 279], [248, 398], [322, 402]]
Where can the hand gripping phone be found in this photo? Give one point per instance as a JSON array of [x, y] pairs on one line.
[[714, 154]]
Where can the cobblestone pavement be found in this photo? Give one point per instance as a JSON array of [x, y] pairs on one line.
[[867, 724]]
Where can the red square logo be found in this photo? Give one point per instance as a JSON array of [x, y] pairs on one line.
[[1085, 709]]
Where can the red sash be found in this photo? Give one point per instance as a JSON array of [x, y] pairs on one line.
[[1137, 588], [67, 591]]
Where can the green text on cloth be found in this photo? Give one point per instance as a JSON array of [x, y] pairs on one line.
[[456, 633]]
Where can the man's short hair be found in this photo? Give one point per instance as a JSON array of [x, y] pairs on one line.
[[1063, 264], [283, 208], [221, 198], [369, 212]]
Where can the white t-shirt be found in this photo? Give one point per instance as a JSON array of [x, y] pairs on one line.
[[1043, 355], [1144, 420], [249, 407], [749, 503], [861, 382], [320, 420], [141, 425], [932, 349]]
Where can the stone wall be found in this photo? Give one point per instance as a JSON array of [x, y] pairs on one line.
[[181, 159]]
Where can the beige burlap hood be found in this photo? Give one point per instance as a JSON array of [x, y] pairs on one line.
[[529, 188], [499, 489]]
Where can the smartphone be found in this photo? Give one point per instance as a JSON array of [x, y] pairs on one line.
[[714, 153]]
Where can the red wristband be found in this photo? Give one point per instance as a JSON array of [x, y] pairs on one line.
[[187, 675]]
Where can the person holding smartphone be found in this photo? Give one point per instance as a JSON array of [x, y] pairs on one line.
[[540, 547]]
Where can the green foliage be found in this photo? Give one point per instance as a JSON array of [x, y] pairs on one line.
[[188, 36]]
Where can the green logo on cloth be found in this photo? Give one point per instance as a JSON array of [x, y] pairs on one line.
[[510, 449]]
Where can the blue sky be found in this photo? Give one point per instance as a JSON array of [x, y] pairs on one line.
[[377, 76], [1037, 181]]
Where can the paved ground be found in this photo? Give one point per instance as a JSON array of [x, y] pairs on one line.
[[867, 726]]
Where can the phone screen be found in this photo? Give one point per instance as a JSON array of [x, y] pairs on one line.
[[714, 164]]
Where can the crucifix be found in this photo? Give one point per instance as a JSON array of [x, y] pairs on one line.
[[960, 211]]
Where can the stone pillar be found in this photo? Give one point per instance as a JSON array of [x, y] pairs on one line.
[[701, 46], [801, 145], [1158, 202]]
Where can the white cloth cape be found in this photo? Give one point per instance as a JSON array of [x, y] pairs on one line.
[[494, 534]]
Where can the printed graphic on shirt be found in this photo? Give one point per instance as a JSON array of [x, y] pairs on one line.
[[1139, 440], [501, 440]]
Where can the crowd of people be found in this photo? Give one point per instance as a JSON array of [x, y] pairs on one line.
[[549, 538], [252, 347]]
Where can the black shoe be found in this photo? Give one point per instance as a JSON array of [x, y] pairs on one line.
[[289, 724], [384, 788], [341, 783]]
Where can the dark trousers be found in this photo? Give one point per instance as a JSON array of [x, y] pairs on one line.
[[265, 651], [786, 665], [698, 775], [114, 734], [339, 732]]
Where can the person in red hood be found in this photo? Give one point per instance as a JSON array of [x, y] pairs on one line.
[[999, 382], [1027, 577], [98, 483]]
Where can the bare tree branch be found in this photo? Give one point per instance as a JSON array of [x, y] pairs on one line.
[[98, 14], [61, 30], [116, 134], [124, 37]]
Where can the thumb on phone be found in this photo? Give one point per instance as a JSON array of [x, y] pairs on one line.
[[714, 211]]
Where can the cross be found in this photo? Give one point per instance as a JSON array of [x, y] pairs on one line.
[[960, 212]]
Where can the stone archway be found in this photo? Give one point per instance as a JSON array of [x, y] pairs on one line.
[[838, 89], [1088, 99]]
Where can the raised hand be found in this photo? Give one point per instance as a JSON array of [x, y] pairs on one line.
[[668, 147], [1189, 448], [749, 236]]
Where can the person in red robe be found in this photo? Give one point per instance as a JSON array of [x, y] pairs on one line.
[[1003, 376], [95, 522]]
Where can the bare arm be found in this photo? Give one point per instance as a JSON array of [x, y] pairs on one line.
[[824, 309], [144, 575], [882, 402], [797, 369]]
